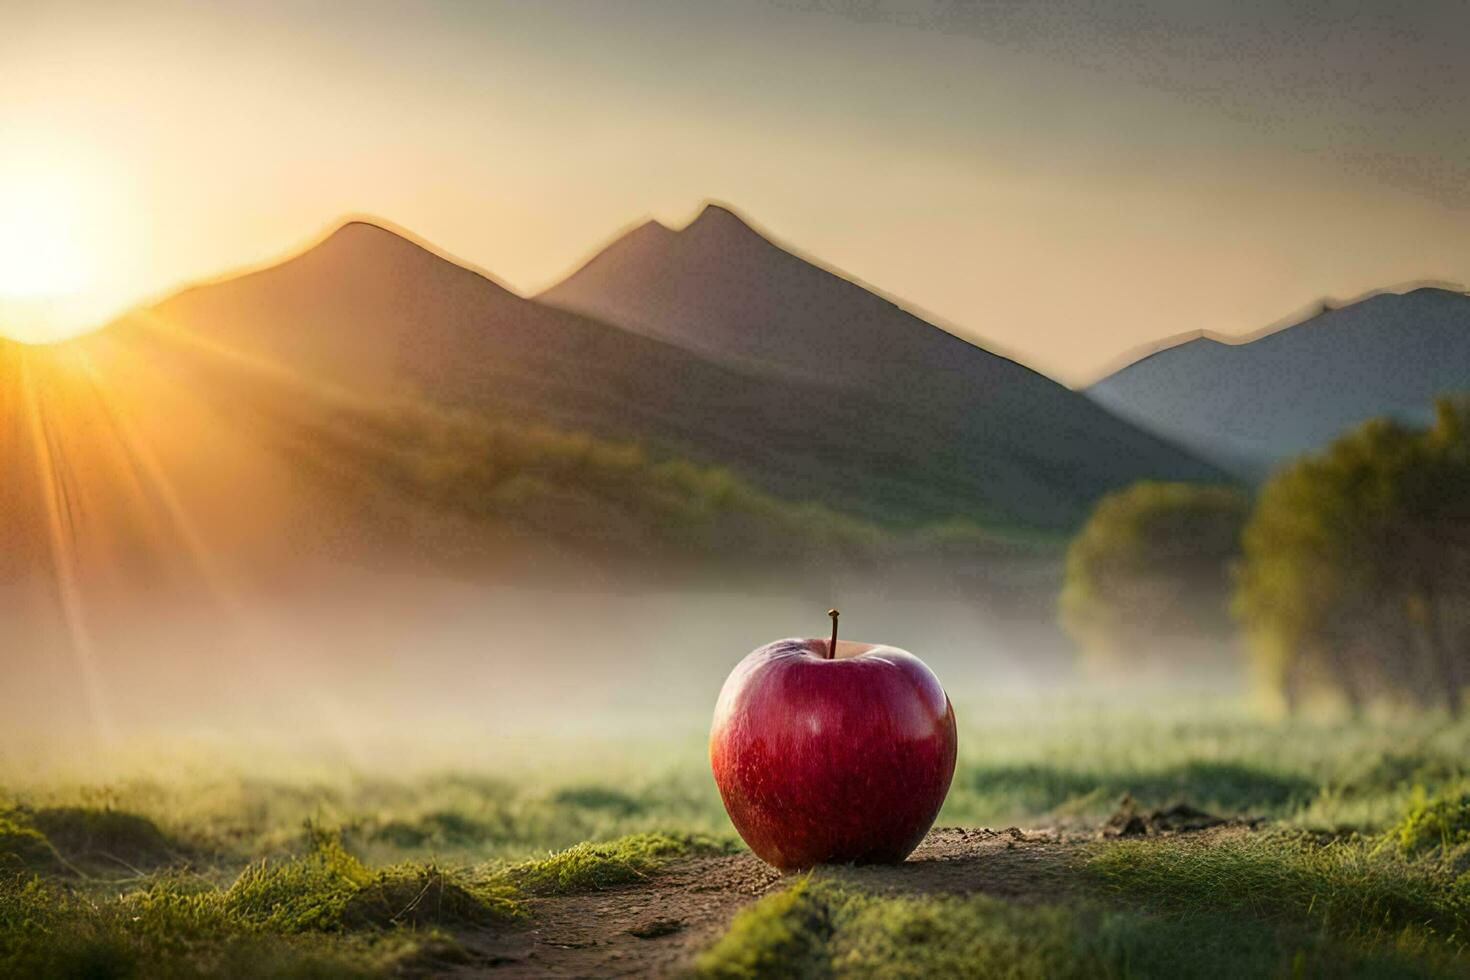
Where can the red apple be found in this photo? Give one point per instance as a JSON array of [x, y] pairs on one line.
[[828, 751]]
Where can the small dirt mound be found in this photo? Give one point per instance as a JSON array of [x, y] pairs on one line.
[[439, 829], [422, 896], [603, 798], [656, 928], [1180, 818], [25, 849], [105, 836]]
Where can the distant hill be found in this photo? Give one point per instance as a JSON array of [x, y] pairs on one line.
[[1247, 406], [142, 457], [1017, 445], [371, 311], [908, 425]]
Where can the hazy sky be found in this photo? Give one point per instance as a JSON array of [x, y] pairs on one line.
[[1066, 182]]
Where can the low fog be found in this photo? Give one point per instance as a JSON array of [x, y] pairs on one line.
[[356, 656]]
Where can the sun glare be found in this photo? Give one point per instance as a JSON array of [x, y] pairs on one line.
[[51, 238], [40, 250]]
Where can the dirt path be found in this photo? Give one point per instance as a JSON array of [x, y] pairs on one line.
[[655, 928]]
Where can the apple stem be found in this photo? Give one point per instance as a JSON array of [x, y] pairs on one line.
[[832, 646]]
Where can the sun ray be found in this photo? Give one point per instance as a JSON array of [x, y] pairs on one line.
[[252, 631], [106, 450], [61, 537], [138, 452], [276, 371]]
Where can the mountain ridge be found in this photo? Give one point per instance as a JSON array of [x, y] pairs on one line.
[[713, 236], [380, 311], [722, 289], [1250, 404], [1310, 311], [366, 309]]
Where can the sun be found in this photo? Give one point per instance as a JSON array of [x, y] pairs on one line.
[[51, 286], [40, 248]]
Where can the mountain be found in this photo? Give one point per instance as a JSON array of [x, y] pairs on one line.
[[1247, 406], [1012, 442], [370, 390], [382, 316]]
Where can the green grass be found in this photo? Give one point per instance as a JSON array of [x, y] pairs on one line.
[[1349, 889], [591, 866], [1362, 867], [1069, 763], [782, 934], [819, 929], [171, 927], [319, 913], [1058, 762], [420, 895], [1441, 823], [1360, 870], [303, 893]]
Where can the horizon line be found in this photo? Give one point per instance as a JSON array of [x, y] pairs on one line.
[[1124, 359]]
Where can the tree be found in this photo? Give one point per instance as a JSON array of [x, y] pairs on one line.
[[1148, 576], [1356, 570]]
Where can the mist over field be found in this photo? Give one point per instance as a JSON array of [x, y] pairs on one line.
[[415, 657]]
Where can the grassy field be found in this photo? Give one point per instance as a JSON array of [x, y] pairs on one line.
[[1357, 860]]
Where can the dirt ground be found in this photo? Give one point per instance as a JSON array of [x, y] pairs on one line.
[[656, 927]]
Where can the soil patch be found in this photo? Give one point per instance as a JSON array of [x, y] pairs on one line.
[[1180, 818], [657, 926], [650, 928]]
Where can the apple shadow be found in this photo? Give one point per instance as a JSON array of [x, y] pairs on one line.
[[1010, 864]]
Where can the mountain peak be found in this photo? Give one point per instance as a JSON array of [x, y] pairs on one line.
[[719, 218], [365, 233], [1437, 293], [651, 230], [362, 240], [367, 246]]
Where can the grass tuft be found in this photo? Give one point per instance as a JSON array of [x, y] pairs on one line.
[[302, 894], [817, 929], [784, 935], [916, 937], [424, 895], [1440, 823], [588, 867]]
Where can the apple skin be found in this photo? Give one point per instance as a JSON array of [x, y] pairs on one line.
[[832, 761]]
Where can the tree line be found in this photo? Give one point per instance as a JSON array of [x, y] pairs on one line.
[[1348, 574]]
